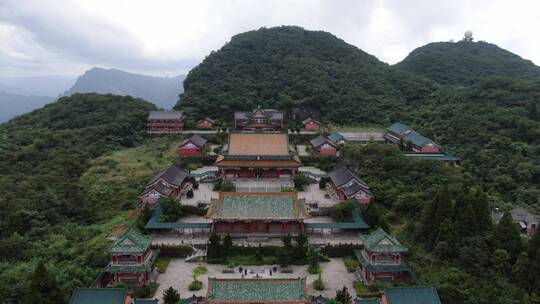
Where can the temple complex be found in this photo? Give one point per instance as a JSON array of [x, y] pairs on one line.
[[267, 290], [259, 119], [132, 260], [258, 155], [381, 259], [266, 213], [166, 122]]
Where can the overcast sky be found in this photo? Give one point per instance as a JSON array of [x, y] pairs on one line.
[[66, 37]]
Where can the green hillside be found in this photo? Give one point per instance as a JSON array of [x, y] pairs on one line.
[[464, 63], [310, 72]]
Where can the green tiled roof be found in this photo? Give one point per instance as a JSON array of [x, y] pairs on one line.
[[120, 268], [132, 242], [398, 127], [98, 296], [335, 137], [412, 295], [418, 140], [258, 206], [380, 241], [256, 290], [366, 301], [146, 301], [402, 267], [155, 222]]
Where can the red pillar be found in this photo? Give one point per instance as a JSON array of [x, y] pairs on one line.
[[231, 226], [267, 227]]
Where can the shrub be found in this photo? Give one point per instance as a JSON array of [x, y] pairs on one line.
[[146, 291], [300, 181], [318, 284], [217, 184], [343, 210], [228, 186], [188, 209], [195, 285], [174, 251], [200, 270], [161, 264], [339, 251], [350, 263]]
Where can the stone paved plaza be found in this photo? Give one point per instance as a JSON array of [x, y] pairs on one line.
[[178, 275]]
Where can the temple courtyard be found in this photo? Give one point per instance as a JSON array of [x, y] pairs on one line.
[[178, 275]]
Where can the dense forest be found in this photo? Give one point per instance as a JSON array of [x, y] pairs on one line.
[[45, 214]]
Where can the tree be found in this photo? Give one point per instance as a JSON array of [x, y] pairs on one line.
[[438, 209], [343, 296], [521, 271], [227, 244], [287, 242], [313, 261], [323, 181], [467, 220], [300, 181], [171, 210], [171, 296], [506, 236], [449, 236], [43, 287], [301, 240], [214, 246], [533, 112], [501, 262]]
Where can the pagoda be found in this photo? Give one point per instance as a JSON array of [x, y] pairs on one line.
[[381, 258], [132, 260]]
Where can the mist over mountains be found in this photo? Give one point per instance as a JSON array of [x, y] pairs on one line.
[[19, 95]]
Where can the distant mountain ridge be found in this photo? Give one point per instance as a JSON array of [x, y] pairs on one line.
[[12, 105], [162, 91]]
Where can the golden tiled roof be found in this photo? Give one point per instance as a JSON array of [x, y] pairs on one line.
[[258, 144]]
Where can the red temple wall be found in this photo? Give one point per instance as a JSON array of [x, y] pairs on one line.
[[311, 126]]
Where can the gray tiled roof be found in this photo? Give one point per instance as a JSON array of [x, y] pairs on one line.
[[166, 115], [173, 175], [320, 140], [342, 175], [196, 139]]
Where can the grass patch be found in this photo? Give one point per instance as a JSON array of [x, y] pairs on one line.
[[162, 263], [199, 270], [350, 263]]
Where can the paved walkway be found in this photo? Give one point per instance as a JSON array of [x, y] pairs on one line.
[[302, 150], [178, 275], [363, 136]]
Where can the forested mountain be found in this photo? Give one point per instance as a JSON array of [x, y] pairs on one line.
[[44, 153], [13, 104], [162, 91], [293, 69], [464, 63]]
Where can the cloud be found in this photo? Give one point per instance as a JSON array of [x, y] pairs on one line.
[[171, 36]]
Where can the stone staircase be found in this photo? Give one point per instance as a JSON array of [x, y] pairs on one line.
[[199, 255]]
